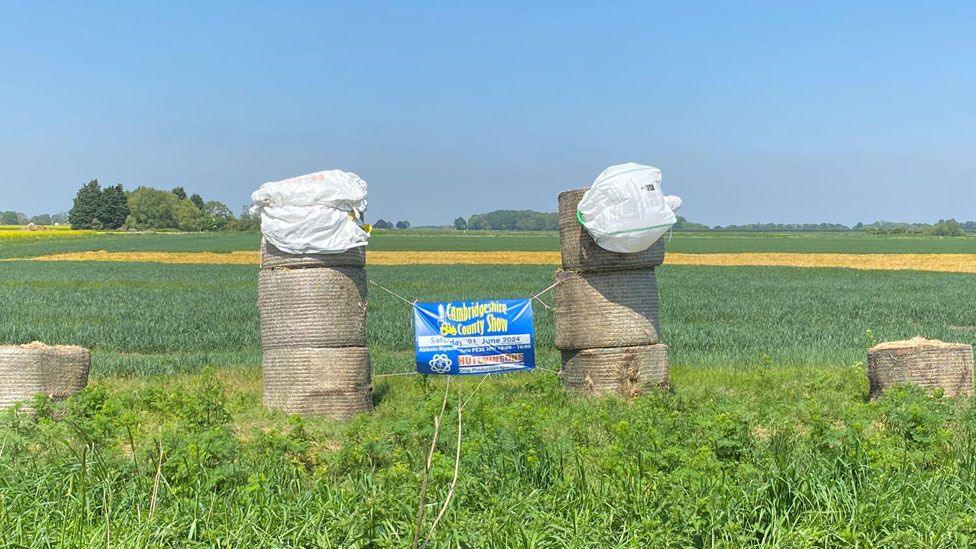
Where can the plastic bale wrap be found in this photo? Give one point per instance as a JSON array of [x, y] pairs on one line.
[[927, 363], [608, 309], [326, 382], [312, 308], [273, 258], [626, 371], [581, 253], [57, 371]]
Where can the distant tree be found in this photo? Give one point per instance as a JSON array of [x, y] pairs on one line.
[[514, 220], [248, 221], [113, 207], [22, 219], [460, 224], [9, 218], [86, 204], [969, 226], [216, 216], [859, 226], [684, 225], [403, 224], [179, 192], [152, 209], [59, 218], [42, 219], [947, 227], [382, 224], [198, 202], [188, 216]]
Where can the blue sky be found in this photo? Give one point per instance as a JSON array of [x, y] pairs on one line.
[[779, 111]]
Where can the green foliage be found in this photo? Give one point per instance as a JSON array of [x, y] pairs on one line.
[[42, 219], [188, 216], [403, 224], [949, 227], [113, 207], [152, 209], [11, 218], [179, 193], [198, 201], [217, 216], [86, 205], [514, 220], [460, 224], [382, 224]]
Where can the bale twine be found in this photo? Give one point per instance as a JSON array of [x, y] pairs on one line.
[[609, 309], [273, 258], [581, 253], [326, 382], [626, 371], [927, 363], [57, 371], [324, 307]]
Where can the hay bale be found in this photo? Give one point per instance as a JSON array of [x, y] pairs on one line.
[[581, 253], [626, 371], [326, 382], [927, 363], [57, 371], [323, 307], [608, 309], [273, 258]]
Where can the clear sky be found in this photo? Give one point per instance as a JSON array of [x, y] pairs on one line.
[[778, 111]]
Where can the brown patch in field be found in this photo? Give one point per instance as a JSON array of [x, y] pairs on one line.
[[947, 263]]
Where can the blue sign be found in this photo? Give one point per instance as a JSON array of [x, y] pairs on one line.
[[474, 337]]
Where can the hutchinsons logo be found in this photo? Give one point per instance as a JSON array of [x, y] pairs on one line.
[[440, 364]]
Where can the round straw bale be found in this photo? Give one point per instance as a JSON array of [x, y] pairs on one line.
[[581, 253], [610, 309], [273, 258], [325, 382], [57, 371], [323, 307], [924, 362], [626, 371]]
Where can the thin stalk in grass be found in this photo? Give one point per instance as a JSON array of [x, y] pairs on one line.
[[430, 461], [457, 466], [159, 474]]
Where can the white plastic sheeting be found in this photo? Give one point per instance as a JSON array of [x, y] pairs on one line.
[[318, 213], [625, 211]]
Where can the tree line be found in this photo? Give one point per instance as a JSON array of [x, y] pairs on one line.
[[149, 208]]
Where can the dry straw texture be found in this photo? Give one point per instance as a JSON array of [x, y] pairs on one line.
[[323, 307], [947, 263], [328, 382], [581, 253], [926, 363], [626, 371], [611, 309], [27, 370], [272, 257]]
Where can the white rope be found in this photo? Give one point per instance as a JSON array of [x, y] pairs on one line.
[[394, 294]]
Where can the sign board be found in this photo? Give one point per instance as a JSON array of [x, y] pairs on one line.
[[474, 337]]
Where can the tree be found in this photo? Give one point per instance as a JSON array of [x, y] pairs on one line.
[[216, 216], [460, 224], [113, 208], [248, 221], [403, 224], [188, 216], [152, 209], [179, 192], [947, 227], [86, 204], [198, 202], [59, 218], [8, 218], [42, 219], [382, 224]]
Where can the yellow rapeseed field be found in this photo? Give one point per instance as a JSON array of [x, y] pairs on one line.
[[954, 263], [14, 232]]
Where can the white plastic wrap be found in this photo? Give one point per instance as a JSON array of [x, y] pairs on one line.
[[318, 213], [625, 211]]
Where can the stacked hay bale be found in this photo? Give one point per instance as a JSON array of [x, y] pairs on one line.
[[313, 332], [928, 363], [56, 371], [606, 312]]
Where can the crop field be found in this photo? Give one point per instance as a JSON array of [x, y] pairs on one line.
[[766, 436]]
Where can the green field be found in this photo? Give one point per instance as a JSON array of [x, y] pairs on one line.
[[766, 436], [431, 240]]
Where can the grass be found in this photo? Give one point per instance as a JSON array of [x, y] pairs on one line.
[[45, 243], [765, 438]]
